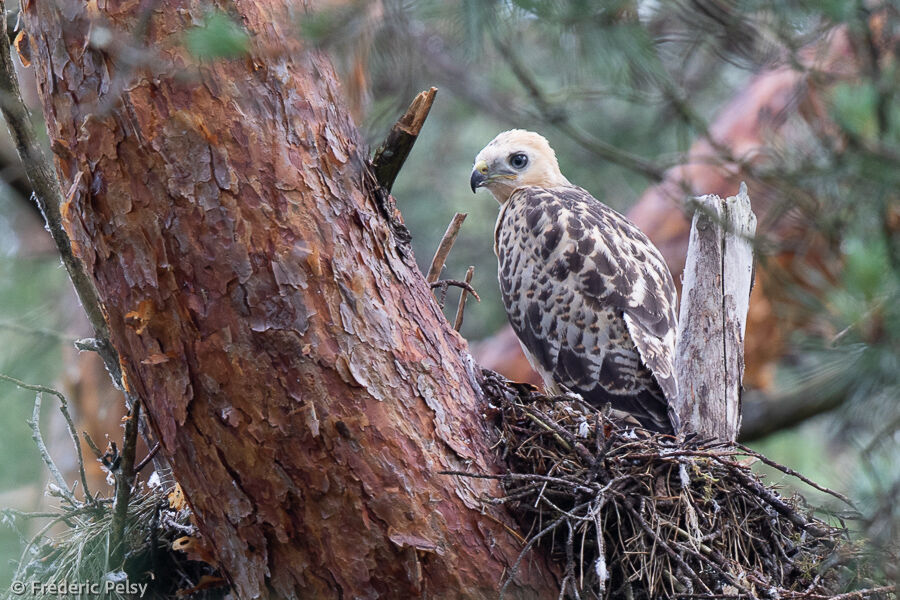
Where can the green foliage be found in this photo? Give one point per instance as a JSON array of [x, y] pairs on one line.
[[853, 106], [219, 36]]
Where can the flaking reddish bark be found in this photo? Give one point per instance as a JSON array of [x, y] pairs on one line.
[[304, 385]]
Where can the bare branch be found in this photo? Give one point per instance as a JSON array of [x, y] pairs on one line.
[[35, 424], [443, 249], [461, 307], [70, 425]]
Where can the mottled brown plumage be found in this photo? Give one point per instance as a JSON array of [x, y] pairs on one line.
[[587, 293]]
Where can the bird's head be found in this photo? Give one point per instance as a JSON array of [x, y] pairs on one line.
[[514, 159]]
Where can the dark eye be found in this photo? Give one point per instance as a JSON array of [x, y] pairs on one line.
[[518, 161]]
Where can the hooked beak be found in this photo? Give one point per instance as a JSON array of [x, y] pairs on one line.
[[479, 175]]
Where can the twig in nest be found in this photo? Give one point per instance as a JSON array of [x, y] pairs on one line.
[[793, 473], [443, 283], [443, 249], [531, 542], [774, 501], [461, 307], [682, 565]]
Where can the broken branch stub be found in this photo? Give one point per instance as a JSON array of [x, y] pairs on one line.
[[709, 356], [391, 155]]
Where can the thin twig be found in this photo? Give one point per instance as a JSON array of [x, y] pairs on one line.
[[461, 307], [443, 249], [70, 425], [570, 562], [465, 285], [90, 442], [793, 473], [36, 331], [35, 424], [147, 458]]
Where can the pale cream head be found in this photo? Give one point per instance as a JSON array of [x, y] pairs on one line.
[[515, 159]]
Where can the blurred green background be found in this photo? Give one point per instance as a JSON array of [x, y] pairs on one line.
[[622, 90]]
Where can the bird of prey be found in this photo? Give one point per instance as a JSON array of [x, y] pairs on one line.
[[588, 294]]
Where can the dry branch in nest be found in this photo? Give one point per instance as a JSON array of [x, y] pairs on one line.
[[632, 514]]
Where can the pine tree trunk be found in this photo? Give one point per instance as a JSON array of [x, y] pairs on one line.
[[305, 386]]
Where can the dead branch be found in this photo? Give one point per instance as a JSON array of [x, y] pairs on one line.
[[709, 355], [70, 426], [443, 249], [35, 423], [461, 307], [444, 283], [390, 156]]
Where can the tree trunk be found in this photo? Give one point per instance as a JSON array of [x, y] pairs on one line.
[[305, 386]]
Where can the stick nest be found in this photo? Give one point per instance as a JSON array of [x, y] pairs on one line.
[[632, 514]]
